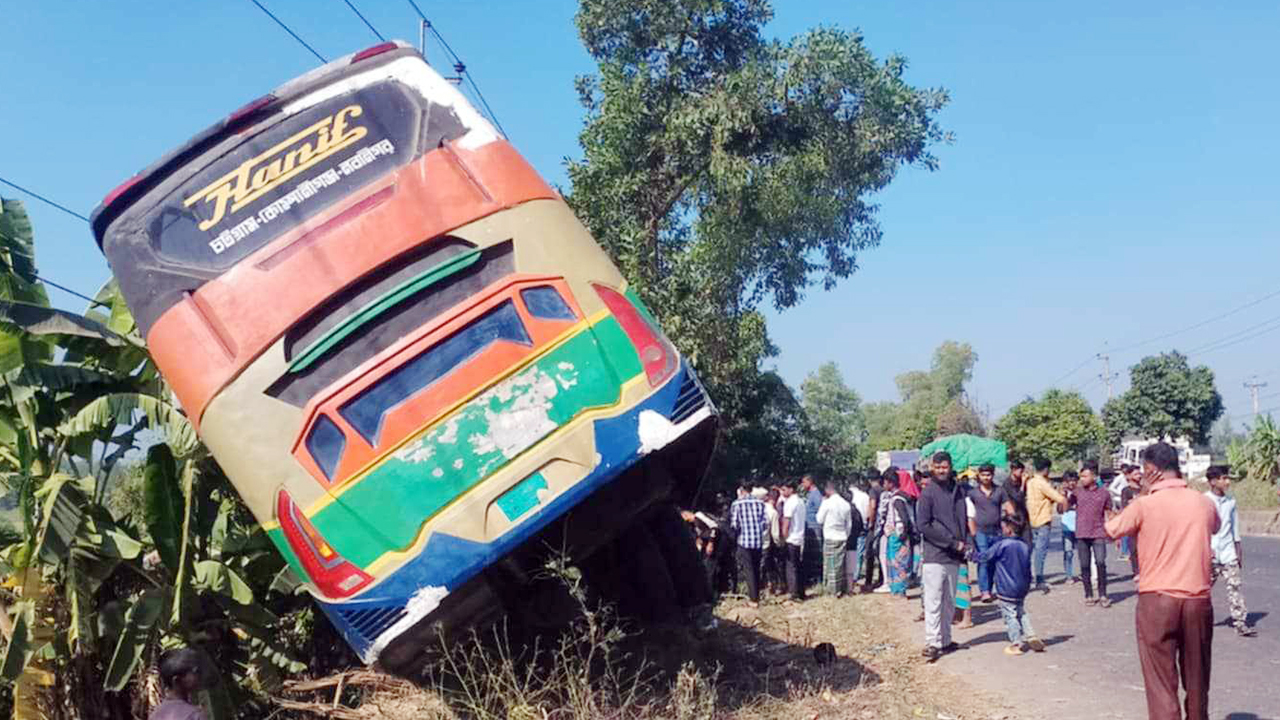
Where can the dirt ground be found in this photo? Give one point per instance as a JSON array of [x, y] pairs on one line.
[[879, 672]]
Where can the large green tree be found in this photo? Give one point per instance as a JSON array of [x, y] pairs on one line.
[[723, 170], [768, 438], [1166, 396], [1059, 426], [933, 402], [837, 428]]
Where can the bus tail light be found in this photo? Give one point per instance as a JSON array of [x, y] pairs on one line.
[[120, 190], [370, 52], [332, 574], [657, 355]]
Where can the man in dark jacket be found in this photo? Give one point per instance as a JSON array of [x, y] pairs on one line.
[[944, 523]]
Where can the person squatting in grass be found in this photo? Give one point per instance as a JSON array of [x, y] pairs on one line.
[[181, 680], [1010, 557], [1228, 555]]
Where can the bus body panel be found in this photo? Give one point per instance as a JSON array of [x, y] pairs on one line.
[[426, 198], [415, 382]]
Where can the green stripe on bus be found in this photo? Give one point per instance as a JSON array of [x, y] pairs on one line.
[[480, 438], [388, 300]]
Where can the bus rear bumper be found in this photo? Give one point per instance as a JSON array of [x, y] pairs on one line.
[[655, 452]]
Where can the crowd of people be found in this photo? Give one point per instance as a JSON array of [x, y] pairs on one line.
[[886, 532]]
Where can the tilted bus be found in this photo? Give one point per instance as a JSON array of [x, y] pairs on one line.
[[416, 366]]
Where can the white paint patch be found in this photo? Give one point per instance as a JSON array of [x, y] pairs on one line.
[[419, 76], [656, 431], [565, 366], [450, 434], [438, 472], [415, 453], [423, 602], [523, 416], [457, 464]]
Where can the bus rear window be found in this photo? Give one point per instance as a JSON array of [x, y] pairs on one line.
[[366, 411], [285, 175], [326, 442]]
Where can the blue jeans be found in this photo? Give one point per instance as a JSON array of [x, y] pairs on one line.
[[857, 550], [1068, 553], [1126, 545], [1017, 624], [985, 580], [1040, 544]]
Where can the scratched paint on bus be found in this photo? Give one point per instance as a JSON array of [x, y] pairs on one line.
[[481, 437]]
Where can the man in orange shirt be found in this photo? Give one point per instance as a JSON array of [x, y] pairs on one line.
[[1175, 611]]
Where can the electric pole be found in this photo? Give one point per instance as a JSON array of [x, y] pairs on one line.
[[1107, 376], [1253, 386]]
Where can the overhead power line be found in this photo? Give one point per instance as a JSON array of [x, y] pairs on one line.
[[292, 34], [1166, 335], [459, 66], [365, 20], [1200, 324], [1238, 337], [44, 200], [64, 209]]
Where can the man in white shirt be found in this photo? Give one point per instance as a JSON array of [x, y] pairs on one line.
[[857, 548], [793, 512], [835, 517], [1228, 555]]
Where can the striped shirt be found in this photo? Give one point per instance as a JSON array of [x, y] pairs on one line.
[[748, 517]]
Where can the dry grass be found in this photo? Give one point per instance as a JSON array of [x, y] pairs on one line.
[[758, 664]]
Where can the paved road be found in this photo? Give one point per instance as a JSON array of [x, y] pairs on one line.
[[1091, 669]]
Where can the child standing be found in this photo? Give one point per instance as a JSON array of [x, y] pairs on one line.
[[1228, 556], [1069, 480], [1012, 559]]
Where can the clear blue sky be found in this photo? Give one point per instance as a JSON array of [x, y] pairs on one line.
[[1112, 178]]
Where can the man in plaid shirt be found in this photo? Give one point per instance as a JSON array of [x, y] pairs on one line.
[[750, 523]]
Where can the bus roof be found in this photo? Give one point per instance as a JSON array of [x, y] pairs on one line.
[[239, 121]]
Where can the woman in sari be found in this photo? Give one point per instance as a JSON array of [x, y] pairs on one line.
[[897, 534]]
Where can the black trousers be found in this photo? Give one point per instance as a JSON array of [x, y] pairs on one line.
[[795, 571], [771, 567], [749, 562], [871, 557], [1097, 549]]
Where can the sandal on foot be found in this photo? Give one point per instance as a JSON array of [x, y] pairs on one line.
[[1090, 601], [1013, 650], [1105, 602], [1036, 644]]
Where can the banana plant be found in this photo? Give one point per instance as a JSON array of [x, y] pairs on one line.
[[1262, 451], [80, 400]]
